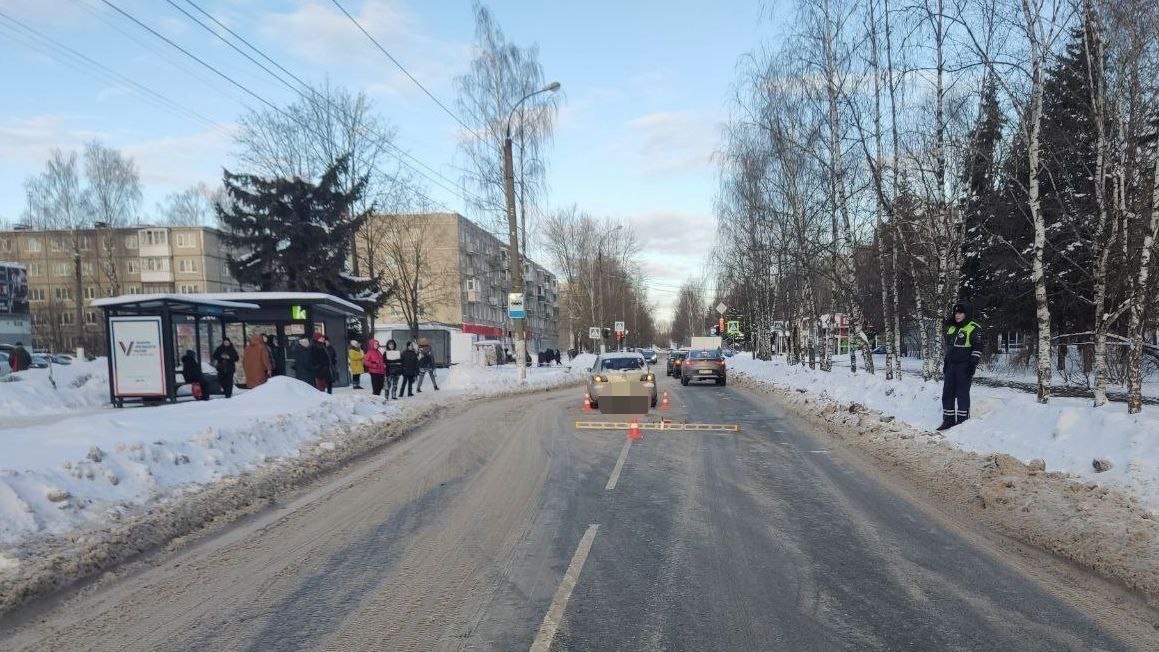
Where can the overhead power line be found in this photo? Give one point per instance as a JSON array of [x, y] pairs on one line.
[[308, 93], [402, 67]]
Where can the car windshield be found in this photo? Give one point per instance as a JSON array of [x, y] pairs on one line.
[[621, 364], [705, 354]]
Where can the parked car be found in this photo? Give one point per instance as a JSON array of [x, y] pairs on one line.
[[621, 375], [40, 361], [675, 358], [4, 370], [62, 358], [704, 364]]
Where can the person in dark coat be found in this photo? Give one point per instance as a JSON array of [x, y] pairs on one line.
[[303, 370], [320, 362], [393, 359], [330, 351], [225, 362], [410, 369], [20, 359], [191, 370], [277, 357], [426, 367], [558, 361], [963, 338]]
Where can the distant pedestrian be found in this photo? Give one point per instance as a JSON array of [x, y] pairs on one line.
[[410, 369], [303, 369], [333, 355], [963, 352], [320, 362], [354, 357], [225, 359], [20, 359], [392, 357], [375, 366], [255, 361], [558, 361], [191, 370], [426, 368], [277, 356]]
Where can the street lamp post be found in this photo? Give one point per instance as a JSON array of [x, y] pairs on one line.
[[513, 233]]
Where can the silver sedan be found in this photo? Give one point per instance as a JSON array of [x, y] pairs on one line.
[[621, 378]]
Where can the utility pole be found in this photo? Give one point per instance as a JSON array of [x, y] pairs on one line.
[[513, 235]]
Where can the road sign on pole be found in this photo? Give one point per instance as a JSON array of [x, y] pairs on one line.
[[721, 308], [594, 332], [619, 327], [515, 306]]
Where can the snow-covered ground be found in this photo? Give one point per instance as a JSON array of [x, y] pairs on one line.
[[74, 465], [1068, 434]]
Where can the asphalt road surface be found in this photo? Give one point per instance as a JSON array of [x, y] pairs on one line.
[[503, 527]]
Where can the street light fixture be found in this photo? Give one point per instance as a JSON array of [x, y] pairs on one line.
[[513, 232]]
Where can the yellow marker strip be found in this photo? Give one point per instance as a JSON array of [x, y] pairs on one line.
[[621, 425]]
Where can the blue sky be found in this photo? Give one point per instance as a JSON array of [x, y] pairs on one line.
[[646, 89]]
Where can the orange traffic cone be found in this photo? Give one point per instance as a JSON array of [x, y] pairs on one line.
[[664, 401], [634, 431], [587, 402]]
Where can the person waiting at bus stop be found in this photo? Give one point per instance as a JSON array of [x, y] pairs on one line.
[[963, 338]]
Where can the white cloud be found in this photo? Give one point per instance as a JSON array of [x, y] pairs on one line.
[[181, 161], [670, 141], [30, 141]]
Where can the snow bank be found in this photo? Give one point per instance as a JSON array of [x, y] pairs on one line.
[[1068, 434], [88, 477], [78, 385]]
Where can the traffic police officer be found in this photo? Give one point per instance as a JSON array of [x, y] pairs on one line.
[[963, 351]]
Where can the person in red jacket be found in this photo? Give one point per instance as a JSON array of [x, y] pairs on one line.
[[375, 366], [20, 359]]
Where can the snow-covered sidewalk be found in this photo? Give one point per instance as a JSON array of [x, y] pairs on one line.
[[74, 468], [1067, 434]]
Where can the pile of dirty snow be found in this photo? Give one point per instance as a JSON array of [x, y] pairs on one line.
[[1068, 435]]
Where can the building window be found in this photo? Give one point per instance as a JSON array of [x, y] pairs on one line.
[[187, 264], [132, 266], [32, 245], [155, 237], [5, 244], [62, 294], [134, 289], [61, 269], [66, 319], [86, 243], [190, 289], [58, 243], [36, 294], [34, 269], [130, 242], [86, 268], [186, 240], [91, 317], [91, 292], [156, 264]]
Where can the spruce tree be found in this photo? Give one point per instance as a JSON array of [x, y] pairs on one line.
[[293, 235]]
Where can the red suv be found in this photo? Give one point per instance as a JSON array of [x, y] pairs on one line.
[[704, 364]]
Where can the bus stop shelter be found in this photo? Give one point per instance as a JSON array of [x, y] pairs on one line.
[[149, 333]]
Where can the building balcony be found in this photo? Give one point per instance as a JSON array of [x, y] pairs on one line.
[[156, 277]]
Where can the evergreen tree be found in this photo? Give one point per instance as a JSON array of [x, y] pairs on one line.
[[293, 235], [981, 203]]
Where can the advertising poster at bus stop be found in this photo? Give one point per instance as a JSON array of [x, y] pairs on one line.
[[138, 356]]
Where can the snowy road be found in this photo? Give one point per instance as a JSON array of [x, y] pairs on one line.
[[477, 533]]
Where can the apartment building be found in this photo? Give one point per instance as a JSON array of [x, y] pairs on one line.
[[129, 260], [467, 272]]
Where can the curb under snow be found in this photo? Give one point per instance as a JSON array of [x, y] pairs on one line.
[[170, 523], [1096, 527]]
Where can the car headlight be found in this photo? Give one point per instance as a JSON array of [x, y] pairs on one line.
[[648, 378], [599, 379]]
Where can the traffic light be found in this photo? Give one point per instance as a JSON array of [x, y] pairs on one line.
[[607, 332], [720, 326]]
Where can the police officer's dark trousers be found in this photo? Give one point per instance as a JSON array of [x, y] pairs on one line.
[[956, 389]]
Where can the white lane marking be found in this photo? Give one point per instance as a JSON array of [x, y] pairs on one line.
[[619, 466], [554, 613], [826, 452]]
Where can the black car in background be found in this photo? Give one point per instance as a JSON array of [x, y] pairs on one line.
[[649, 355], [675, 358]]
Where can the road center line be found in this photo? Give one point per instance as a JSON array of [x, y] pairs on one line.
[[554, 613], [619, 466]]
